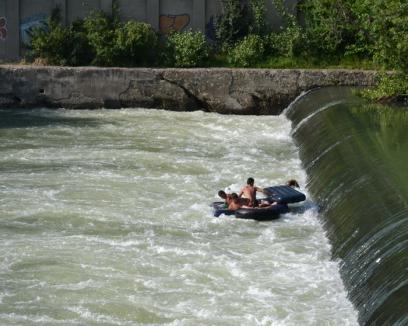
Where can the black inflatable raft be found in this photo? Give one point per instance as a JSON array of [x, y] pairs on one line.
[[282, 195]]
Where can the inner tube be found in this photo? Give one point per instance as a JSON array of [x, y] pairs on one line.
[[259, 214], [220, 209], [262, 214]]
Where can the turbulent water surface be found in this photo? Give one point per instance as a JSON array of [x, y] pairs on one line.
[[105, 220]]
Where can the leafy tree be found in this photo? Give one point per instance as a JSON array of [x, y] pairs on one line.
[[377, 29], [390, 33], [329, 26]]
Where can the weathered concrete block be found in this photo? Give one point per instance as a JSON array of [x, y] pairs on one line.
[[230, 91]]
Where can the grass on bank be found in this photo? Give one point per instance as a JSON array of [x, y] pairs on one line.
[[221, 61], [272, 62]]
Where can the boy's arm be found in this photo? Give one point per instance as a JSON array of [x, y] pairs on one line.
[[240, 193]]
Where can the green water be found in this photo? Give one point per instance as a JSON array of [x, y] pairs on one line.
[[355, 155]]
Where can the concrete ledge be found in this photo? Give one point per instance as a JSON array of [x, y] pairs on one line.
[[229, 91]]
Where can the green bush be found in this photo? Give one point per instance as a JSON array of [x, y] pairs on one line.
[[52, 44], [100, 31], [60, 45], [57, 44], [99, 39], [82, 53], [186, 49], [247, 52], [388, 86], [258, 17], [285, 43], [135, 44], [239, 19], [233, 24]]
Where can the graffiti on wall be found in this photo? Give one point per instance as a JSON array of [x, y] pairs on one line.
[[29, 24], [3, 28], [169, 23]]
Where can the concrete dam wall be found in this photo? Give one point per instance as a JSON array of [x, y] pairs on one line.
[[228, 91]]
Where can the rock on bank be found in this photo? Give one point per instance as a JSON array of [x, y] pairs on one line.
[[236, 91]]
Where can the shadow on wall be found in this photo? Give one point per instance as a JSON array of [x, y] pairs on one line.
[[3, 28], [210, 31]]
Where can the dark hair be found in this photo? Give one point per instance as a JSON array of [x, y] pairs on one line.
[[293, 183], [250, 181], [222, 194], [234, 195]]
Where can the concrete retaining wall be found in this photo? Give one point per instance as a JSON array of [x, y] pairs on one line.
[[237, 91]]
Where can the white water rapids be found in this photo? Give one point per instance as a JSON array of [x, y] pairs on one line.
[[105, 220]]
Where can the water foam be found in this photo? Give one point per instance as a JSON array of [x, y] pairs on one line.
[[120, 217]]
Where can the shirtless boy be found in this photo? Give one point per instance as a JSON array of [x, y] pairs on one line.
[[228, 198], [235, 202], [249, 191]]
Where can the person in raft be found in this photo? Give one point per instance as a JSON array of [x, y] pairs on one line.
[[249, 192], [235, 203], [228, 198]]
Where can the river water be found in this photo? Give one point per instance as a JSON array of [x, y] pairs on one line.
[[105, 220]]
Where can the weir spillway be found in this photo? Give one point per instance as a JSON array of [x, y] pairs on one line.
[[355, 155]]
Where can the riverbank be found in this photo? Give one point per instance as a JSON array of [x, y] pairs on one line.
[[222, 90]]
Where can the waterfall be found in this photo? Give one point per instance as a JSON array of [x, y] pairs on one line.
[[355, 155]]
